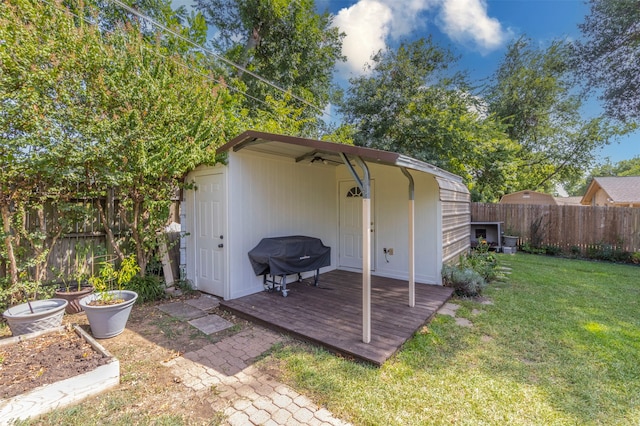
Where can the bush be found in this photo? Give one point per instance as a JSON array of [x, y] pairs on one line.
[[552, 250], [465, 281], [149, 288], [575, 251]]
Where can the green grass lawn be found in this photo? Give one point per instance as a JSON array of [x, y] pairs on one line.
[[559, 345]]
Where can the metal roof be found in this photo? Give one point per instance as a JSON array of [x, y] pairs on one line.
[[312, 150]]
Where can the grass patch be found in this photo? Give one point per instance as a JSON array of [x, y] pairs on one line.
[[560, 345]]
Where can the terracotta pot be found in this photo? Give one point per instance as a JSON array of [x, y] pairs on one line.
[[73, 297]]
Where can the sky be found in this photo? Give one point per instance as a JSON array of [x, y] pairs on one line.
[[476, 30]]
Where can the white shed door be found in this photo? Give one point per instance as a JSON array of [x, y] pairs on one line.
[[210, 238], [351, 226]]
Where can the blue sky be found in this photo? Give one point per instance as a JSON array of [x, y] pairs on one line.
[[476, 30]]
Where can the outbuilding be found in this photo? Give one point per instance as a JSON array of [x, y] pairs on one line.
[[382, 213]]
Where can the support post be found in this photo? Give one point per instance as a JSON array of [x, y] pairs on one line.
[[412, 264], [365, 186]]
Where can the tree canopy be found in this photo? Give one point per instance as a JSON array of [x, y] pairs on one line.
[[410, 103], [98, 110], [610, 54], [284, 42], [534, 94]]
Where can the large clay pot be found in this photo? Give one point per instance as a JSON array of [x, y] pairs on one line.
[[108, 320], [73, 297], [46, 314]]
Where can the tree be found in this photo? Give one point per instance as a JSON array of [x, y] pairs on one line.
[[408, 104], [285, 42], [41, 67], [111, 111], [610, 55], [533, 93]]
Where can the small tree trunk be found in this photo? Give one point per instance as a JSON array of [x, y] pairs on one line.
[[8, 242]]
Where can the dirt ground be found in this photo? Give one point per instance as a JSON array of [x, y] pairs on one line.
[[147, 388]]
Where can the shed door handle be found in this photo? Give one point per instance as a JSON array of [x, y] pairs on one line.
[[220, 245]]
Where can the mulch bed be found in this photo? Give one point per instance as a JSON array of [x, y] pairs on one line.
[[43, 360]]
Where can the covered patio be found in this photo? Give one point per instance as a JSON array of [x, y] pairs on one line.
[[330, 315]]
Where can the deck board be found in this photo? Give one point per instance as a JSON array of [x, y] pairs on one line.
[[331, 314]]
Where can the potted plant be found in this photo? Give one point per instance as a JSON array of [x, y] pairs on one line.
[[34, 315], [108, 309], [509, 238], [76, 285]]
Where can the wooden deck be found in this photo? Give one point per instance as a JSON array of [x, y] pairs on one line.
[[331, 314]]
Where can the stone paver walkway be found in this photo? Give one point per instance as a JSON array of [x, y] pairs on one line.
[[247, 396]]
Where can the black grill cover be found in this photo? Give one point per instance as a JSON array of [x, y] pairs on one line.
[[289, 255]]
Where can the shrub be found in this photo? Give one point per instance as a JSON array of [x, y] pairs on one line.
[[552, 250], [635, 258], [149, 288], [465, 281], [575, 251]]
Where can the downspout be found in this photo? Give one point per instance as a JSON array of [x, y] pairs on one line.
[[412, 267], [365, 187]]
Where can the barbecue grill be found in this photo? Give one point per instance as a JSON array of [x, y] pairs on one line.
[[275, 258]]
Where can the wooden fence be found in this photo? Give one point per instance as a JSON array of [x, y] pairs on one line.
[[84, 238], [566, 227]]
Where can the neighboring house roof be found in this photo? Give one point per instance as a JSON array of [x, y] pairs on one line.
[[528, 197], [619, 190], [568, 201]]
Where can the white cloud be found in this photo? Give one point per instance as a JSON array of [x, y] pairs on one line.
[[369, 24], [366, 25], [467, 21]]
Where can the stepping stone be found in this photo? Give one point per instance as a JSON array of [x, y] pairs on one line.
[[449, 309], [182, 310], [211, 324], [463, 322], [204, 302], [476, 312]]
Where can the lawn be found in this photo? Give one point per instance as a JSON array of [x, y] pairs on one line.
[[559, 345]]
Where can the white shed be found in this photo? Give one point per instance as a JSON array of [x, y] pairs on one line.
[[350, 197]]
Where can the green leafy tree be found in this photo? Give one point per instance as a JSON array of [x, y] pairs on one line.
[[533, 93], [284, 42], [104, 112], [610, 54], [158, 117], [408, 104], [41, 61]]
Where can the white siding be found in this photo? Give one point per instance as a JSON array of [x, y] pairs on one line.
[[390, 205], [274, 196], [456, 219]]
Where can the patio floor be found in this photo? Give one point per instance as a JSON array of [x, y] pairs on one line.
[[331, 314]]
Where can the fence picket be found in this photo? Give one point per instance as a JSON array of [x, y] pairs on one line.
[[566, 226]]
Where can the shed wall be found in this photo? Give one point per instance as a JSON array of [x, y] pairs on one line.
[[391, 227], [273, 196], [455, 205]]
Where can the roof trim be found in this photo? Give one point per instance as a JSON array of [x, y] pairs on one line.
[[251, 138]]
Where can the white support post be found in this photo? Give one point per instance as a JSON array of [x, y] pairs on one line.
[[412, 238], [366, 270], [412, 260]]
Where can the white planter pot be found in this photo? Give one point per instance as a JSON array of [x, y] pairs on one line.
[[108, 320], [510, 240], [46, 314]]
